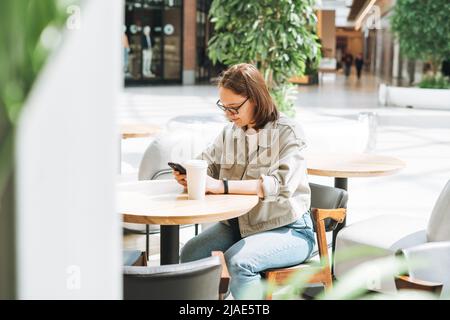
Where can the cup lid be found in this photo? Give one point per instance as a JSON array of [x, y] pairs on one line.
[[196, 164]]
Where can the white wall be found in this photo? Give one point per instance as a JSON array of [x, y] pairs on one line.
[[68, 232], [328, 32]]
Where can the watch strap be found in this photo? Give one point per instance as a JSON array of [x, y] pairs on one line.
[[225, 185]]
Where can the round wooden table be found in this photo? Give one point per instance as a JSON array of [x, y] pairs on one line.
[[342, 166], [164, 202], [138, 130]]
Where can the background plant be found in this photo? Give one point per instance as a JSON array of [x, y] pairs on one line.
[[28, 28], [423, 30], [435, 82], [278, 38], [355, 283]]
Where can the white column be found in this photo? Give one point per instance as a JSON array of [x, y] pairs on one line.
[[68, 231]]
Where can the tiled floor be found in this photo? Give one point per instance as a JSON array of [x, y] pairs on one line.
[[419, 137]]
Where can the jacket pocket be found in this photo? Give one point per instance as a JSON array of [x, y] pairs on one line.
[[255, 171], [226, 171], [265, 212]]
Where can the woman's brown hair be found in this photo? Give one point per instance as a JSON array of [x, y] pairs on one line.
[[245, 80]]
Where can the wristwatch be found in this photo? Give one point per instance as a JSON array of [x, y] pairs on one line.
[[225, 185]]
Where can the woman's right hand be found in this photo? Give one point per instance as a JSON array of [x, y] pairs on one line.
[[181, 178]]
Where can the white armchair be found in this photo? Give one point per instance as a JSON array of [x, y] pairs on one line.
[[428, 268], [388, 234]]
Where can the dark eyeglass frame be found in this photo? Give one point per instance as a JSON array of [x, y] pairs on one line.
[[232, 110]]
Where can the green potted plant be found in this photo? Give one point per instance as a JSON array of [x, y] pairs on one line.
[[278, 39], [423, 30], [423, 33], [311, 73]]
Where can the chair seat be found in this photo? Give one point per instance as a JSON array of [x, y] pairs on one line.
[[283, 273], [304, 265], [377, 237]]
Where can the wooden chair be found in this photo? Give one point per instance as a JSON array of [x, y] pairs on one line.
[[328, 209]]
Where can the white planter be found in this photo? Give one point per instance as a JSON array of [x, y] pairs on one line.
[[414, 97]]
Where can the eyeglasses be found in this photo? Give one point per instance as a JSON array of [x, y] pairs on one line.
[[232, 110]]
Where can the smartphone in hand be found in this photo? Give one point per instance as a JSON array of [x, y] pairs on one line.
[[177, 167]]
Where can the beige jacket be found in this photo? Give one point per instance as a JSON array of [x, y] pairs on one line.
[[274, 154]]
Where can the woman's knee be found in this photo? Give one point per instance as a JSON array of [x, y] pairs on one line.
[[239, 264], [201, 246], [191, 251]]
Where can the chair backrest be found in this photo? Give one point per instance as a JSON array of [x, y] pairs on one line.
[[439, 224], [326, 197], [185, 138], [174, 146], [196, 280]]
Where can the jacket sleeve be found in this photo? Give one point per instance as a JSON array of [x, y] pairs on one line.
[[212, 155], [288, 172]]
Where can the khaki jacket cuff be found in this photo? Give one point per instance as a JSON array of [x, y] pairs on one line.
[[270, 188]]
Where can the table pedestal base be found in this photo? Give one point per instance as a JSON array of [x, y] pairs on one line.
[[170, 244]]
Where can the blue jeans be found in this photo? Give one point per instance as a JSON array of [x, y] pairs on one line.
[[248, 257]]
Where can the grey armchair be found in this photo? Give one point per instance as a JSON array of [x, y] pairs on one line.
[[205, 279], [388, 234]]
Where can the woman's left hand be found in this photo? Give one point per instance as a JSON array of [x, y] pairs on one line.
[[214, 185]]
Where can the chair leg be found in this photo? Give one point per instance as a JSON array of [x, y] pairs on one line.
[[328, 282], [328, 285], [147, 240], [271, 279]]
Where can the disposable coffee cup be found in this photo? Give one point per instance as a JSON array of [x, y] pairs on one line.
[[196, 178]]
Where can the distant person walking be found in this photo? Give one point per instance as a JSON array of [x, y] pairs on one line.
[[348, 61], [359, 62]]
